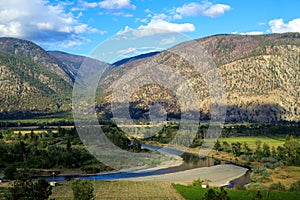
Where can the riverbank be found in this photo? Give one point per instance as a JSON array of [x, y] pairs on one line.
[[219, 175]]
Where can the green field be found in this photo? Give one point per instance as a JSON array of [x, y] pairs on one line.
[[195, 192], [278, 141]]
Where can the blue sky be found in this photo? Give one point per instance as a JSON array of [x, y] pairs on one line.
[[79, 26]]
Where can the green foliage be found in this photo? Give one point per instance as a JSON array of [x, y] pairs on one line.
[[236, 148], [258, 196], [198, 182], [256, 186], [39, 150], [292, 148], [218, 146], [28, 190], [193, 192], [266, 150], [82, 190], [277, 186], [10, 172], [42, 91], [212, 194], [295, 187], [259, 174]]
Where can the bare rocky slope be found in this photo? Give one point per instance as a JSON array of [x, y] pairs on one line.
[[260, 78]]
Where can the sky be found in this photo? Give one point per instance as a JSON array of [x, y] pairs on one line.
[[78, 27]]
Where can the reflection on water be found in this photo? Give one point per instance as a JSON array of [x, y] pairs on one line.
[[243, 180]]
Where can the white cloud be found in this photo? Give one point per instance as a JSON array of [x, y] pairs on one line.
[[168, 26], [81, 28], [12, 29], [148, 10], [159, 16], [206, 9], [71, 44], [39, 21], [45, 26], [278, 25], [191, 9], [250, 33], [105, 4], [216, 10], [116, 4], [170, 40], [90, 5], [159, 26], [130, 50]]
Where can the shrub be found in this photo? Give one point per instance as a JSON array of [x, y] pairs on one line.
[[197, 182], [82, 190], [268, 159], [277, 186], [10, 172], [248, 158], [26, 189], [295, 187], [211, 194], [256, 186], [269, 165], [259, 174]]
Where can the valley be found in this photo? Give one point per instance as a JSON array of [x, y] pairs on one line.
[[260, 132]]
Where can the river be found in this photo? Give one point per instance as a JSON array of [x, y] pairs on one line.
[[190, 161]]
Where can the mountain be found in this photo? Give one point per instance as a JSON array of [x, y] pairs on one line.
[[27, 88], [260, 77], [74, 62], [36, 82], [38, 55]]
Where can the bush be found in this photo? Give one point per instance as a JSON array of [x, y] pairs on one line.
[[197, 182], [256, 186], [268, 159], [26, 189], [82, 190], [259, 174], [269, 165], [10, 172], [295, 187], [277, 186], [211, 194], [248, 158]]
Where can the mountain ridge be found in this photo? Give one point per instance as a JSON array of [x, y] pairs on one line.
[[260, 75], [37, 54], [260, 78]]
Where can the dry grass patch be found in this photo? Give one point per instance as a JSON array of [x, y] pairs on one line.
[[122, 190], [286, 176]]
